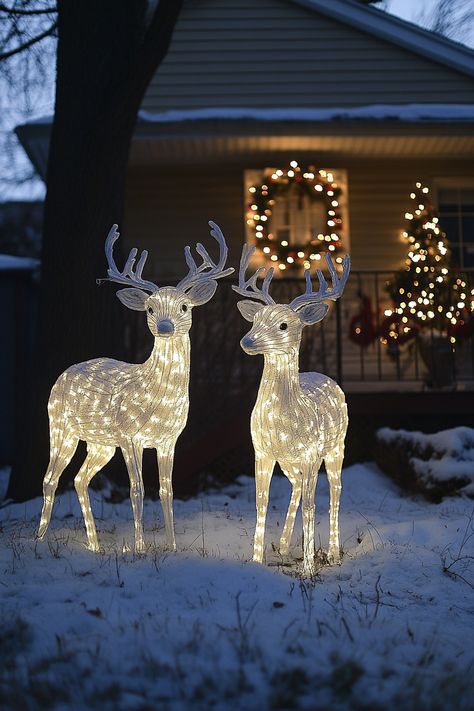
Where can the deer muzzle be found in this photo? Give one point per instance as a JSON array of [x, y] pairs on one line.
[[165, 327], [248, 344]]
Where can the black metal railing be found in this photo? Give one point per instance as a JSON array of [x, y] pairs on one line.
[[219, 363]]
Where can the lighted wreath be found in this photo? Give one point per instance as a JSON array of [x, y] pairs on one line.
[[318, 185]]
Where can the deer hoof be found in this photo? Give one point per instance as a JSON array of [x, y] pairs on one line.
[[309, 571], [93, 546], [334, 556]]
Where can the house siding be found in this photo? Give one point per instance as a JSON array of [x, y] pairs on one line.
[[169, 208], [275, 53]]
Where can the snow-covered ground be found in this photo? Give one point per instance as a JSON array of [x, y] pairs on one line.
[[390, 628]]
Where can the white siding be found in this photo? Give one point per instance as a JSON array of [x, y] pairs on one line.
[[277, 53]]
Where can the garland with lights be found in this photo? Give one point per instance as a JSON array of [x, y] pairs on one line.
[[317, 185], [424, 293]]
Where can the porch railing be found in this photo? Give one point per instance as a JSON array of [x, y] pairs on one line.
[[218, 361]]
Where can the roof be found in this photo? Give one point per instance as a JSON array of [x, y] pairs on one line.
[[397, 31], [9, 262], [373, 112]]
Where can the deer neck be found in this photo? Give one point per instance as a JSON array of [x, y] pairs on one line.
[[171, 355], [281, 374]]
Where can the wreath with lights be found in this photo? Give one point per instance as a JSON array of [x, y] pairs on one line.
[[318, 185]]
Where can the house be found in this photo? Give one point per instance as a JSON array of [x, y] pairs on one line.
[[20, 228], [251, 87]]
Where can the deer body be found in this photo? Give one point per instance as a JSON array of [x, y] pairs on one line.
[[296, 412], [108, 402], [298, 420], [111, 404]]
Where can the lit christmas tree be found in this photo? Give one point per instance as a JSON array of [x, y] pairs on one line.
[[425, 293]]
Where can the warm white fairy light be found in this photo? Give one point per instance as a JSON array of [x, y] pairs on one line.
[[111, 404], [299, 420], [261, 207]]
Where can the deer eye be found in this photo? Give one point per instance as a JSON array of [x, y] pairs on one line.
[[184, 307], [283, 326], [150, 310]]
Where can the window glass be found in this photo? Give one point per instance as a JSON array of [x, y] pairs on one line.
[[456, 213]]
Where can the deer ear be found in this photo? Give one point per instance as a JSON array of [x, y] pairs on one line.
[[248, 309], [202, 292], [312, 313], [133, 298]]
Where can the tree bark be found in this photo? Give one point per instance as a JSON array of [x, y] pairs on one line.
[[107, 54]]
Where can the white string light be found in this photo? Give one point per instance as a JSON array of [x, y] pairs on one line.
[[298, 420], [111, 404]]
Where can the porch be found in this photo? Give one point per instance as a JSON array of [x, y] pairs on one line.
[[382, 388], [376, 366]]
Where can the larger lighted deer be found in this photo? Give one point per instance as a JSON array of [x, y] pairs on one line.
[[299, 420], [112, 404]]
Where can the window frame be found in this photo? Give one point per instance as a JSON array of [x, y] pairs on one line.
[[454, 183]]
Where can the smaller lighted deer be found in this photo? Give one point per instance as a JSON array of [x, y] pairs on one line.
[[298, 420], [112, 404]]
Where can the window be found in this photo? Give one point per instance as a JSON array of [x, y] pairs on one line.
[[456, 217], [296, 218]]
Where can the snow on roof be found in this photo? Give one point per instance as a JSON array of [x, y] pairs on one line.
[[400, 32], [11, 263], [378, 112]]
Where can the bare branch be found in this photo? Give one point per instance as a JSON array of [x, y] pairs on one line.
[[15, 11], [29, 43]]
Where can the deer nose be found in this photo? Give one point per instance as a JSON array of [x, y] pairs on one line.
[[247, 342], [165, 327]]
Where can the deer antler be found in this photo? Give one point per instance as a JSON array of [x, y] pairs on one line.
[[208, 269], [249, 287], [128, 276], [324, 293]]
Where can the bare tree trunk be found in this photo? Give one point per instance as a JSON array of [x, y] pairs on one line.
[[107, 54]]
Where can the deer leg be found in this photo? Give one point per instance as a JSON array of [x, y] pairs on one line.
[[62, 449], [132, 454], [310, 478], [97, 457], [333, 464], [285, 540], [263, 474], [165, 456]]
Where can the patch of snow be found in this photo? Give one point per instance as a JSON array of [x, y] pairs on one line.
[[205, 628], [9, 262], [447, 454], [379, 112]]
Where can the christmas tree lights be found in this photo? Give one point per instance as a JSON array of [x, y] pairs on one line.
[[425, 293], [317, 185]]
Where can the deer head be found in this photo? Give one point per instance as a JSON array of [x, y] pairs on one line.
[[168, 308], [278, 327]]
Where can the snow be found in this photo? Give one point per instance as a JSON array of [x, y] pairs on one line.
[[204, 628], [379, 112], [446, 455], [9, 262]]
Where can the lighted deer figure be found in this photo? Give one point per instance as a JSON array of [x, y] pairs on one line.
[[298, 420], [112, 404]]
